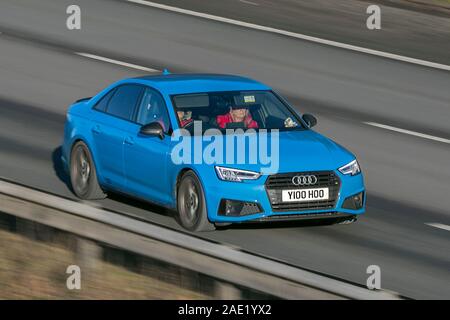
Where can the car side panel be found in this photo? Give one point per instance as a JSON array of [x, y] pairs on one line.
[[146, 160]]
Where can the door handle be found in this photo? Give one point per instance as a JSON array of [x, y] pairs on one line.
[[96, 129], [129, 141]]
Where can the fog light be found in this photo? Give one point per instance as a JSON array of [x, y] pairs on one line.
[[234, 208], [354, 202]]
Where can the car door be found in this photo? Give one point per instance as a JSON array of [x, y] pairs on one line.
[[146, 157], [110, 124]]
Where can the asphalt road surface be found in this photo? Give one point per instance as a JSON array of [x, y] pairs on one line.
[[407, 176]]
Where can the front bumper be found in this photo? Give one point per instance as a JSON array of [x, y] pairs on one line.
[[255, 192]]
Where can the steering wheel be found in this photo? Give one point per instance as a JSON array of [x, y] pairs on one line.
[[188, 125]]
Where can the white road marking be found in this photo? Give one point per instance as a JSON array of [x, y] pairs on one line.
[[294, 35], [121, 63], [412, 133], [249, 2], [438, 225]]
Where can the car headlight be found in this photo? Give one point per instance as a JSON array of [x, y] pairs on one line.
[[228, 174], [351, 168]]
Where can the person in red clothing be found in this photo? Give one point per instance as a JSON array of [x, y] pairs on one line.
[[237, 114]]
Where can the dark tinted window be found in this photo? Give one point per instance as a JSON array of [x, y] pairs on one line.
[[124, 101], [152, 108], [103, 103]]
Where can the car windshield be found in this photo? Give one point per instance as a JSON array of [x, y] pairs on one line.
[[235, 110]]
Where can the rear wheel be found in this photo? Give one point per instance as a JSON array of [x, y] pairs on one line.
[[83, 176], [192, 213]]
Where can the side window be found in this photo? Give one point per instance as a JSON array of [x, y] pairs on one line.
[[152, 108], [124, 101], [102, 104]]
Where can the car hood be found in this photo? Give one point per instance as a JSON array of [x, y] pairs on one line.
[[304, 150]]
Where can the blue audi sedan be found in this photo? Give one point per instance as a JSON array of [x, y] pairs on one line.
[[217, 149]]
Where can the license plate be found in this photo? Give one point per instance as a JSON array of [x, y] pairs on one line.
[[299, 195]]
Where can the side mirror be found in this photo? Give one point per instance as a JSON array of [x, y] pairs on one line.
[[310, 120], [153, 129]]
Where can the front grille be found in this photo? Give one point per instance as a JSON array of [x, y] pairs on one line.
[[283, 181]]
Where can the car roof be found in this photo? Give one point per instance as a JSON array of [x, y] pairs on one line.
[[191, 83]]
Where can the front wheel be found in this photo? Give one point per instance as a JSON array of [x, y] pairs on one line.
[[192, 213], [83, 176]]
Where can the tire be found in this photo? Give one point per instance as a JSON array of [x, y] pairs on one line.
[[191, 204], [83, 175]]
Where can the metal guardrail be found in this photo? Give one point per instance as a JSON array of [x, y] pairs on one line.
[[216, 260]]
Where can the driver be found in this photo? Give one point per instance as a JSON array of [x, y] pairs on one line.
[[184, 117], [237, 114]]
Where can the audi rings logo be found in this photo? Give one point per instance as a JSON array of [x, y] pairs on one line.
[[306, 180]]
